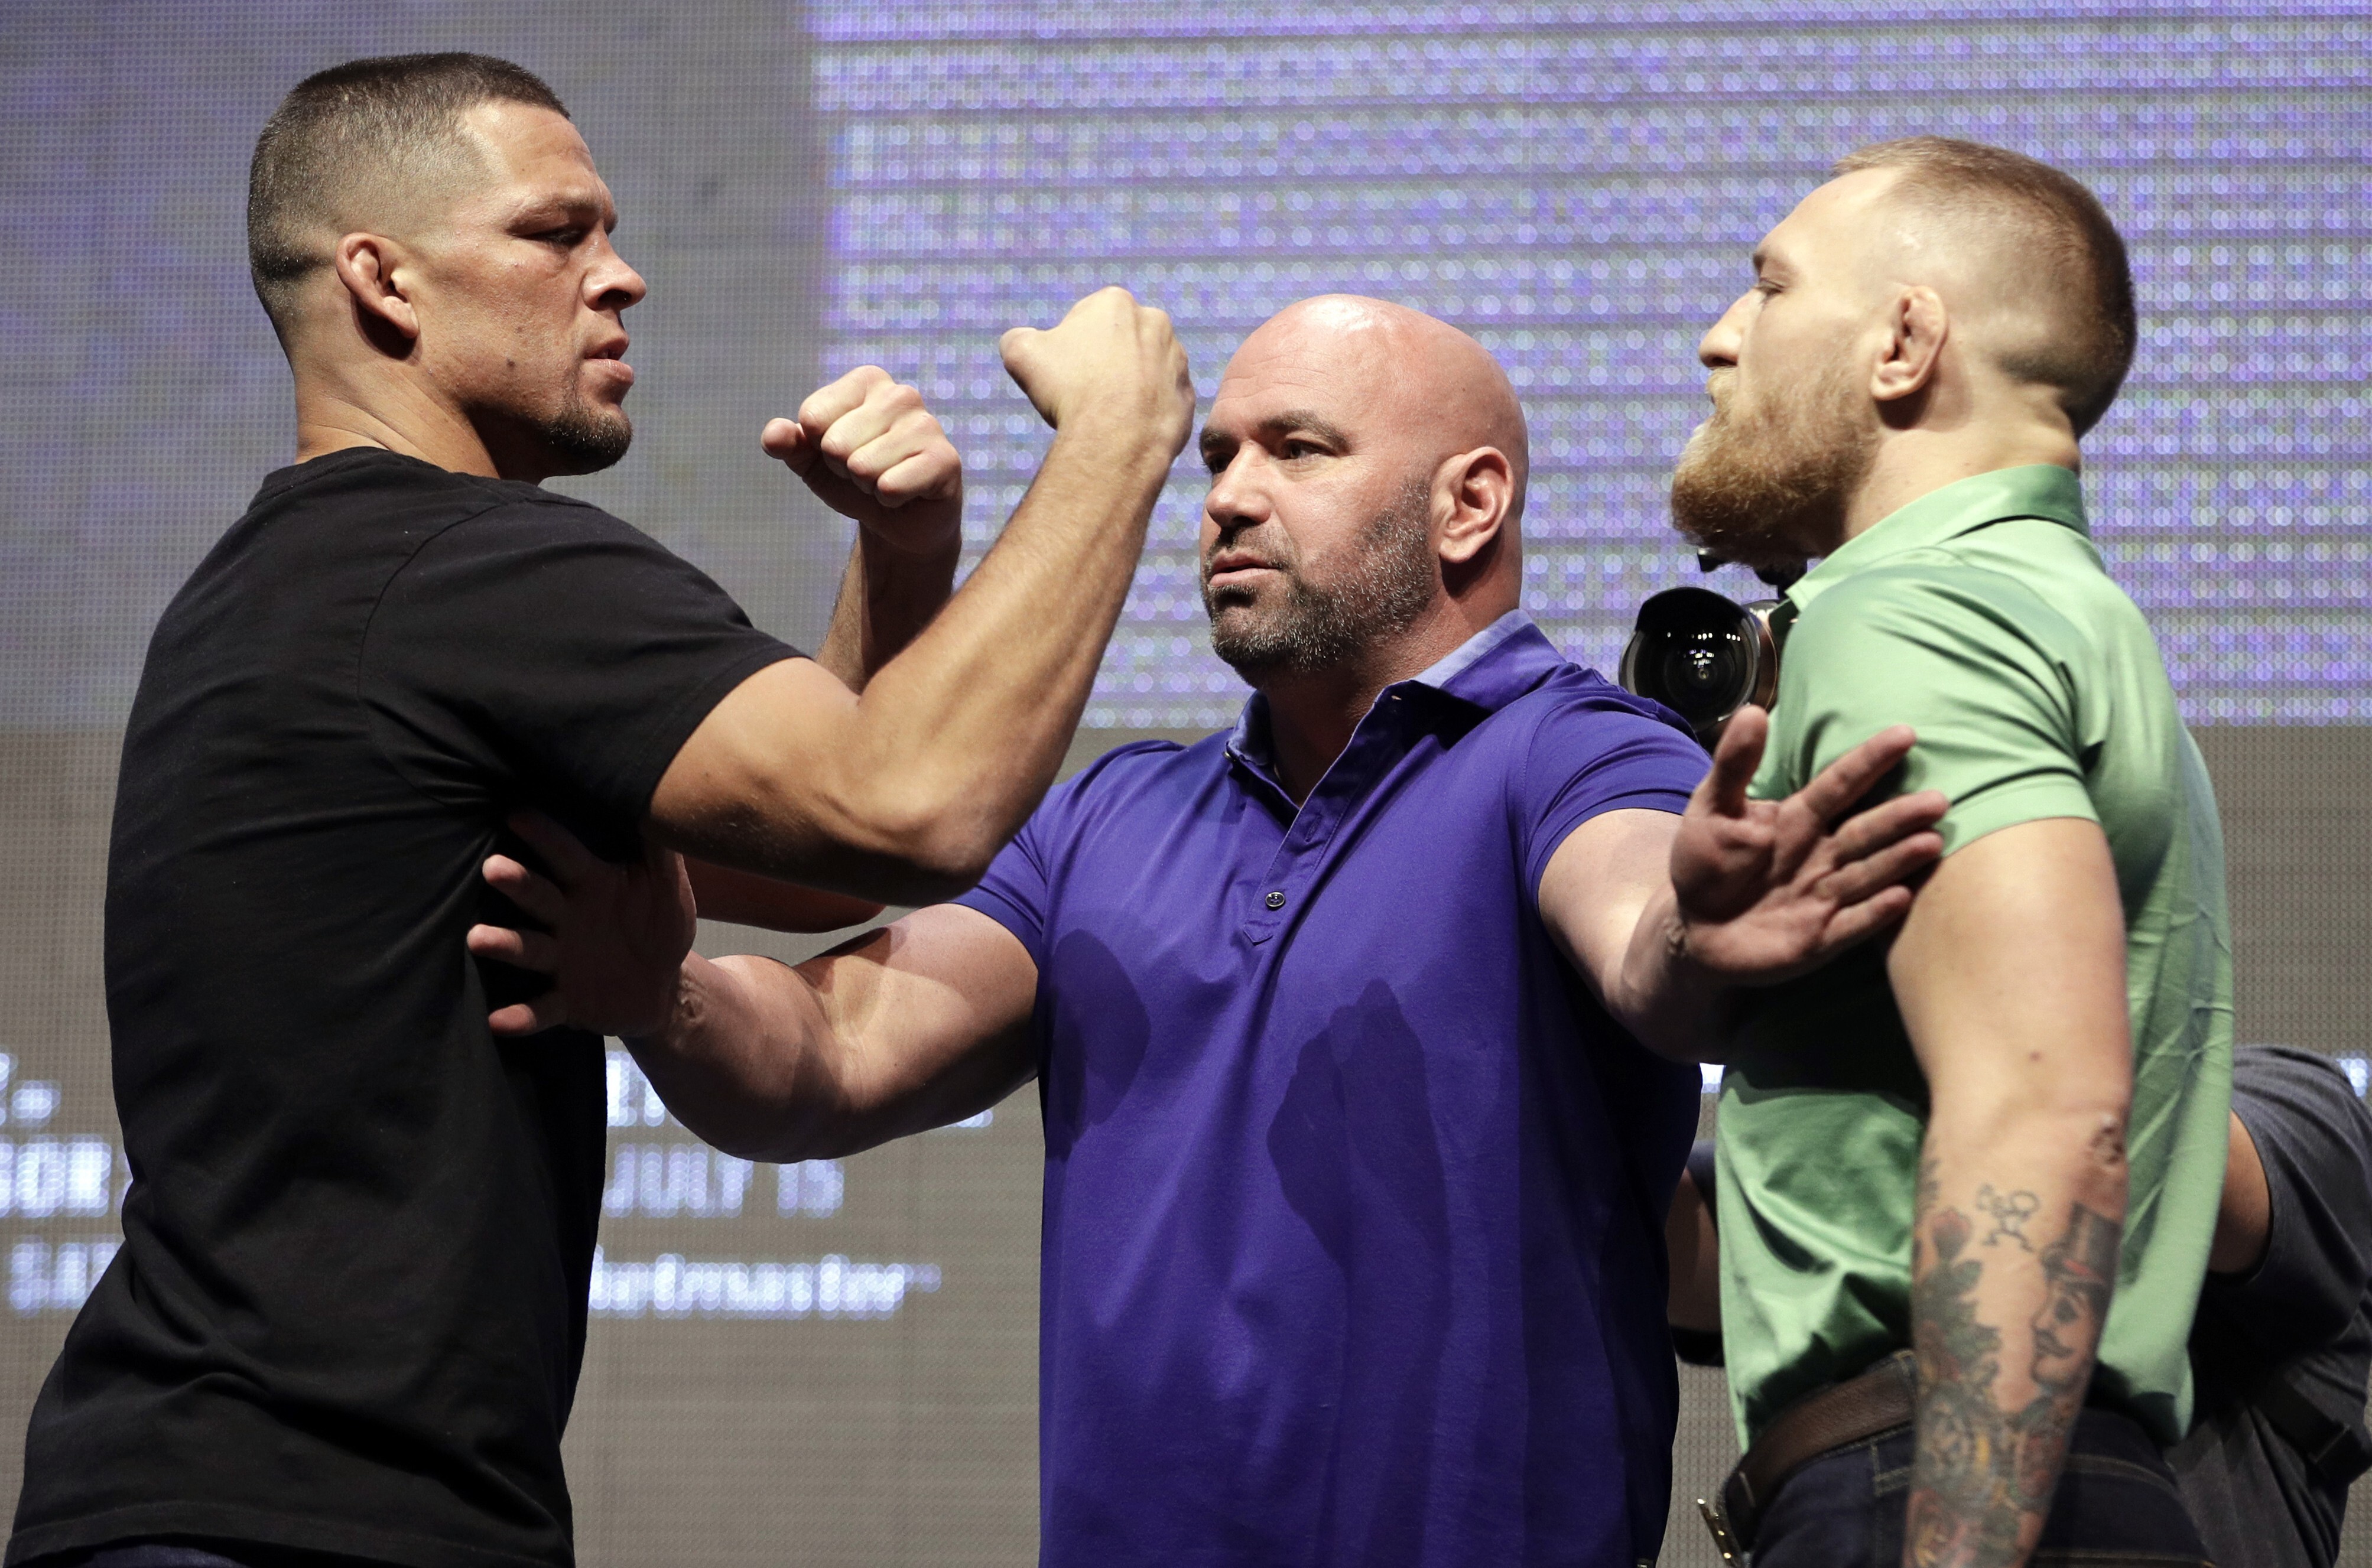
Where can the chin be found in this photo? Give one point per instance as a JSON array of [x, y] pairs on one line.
[[582, 442]]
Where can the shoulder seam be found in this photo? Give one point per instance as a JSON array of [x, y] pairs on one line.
[[362, 642]]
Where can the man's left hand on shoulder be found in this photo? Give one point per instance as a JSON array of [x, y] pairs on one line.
[[1765, 891], [1667, 916]]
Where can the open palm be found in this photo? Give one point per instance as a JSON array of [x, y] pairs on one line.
[[1769, 889]]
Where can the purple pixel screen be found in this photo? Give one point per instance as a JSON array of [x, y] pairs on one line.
[[1580, 186], [835, 1362]]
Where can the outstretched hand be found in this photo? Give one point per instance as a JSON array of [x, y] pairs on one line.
[[871, 451], [616, 937], [1768, 890]]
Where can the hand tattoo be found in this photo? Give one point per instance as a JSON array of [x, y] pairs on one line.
[[1982, 1472]]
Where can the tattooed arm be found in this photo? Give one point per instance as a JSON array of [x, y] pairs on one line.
[[2010, 973]]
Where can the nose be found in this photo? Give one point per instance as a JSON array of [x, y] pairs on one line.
[[1236, 499], [611, 283], [1720, 345]]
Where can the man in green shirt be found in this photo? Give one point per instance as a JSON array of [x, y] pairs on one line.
[[1998, 1142]]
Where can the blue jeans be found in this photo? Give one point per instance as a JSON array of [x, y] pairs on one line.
[[2116, 1505]]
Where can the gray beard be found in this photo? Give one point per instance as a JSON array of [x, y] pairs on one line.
[[1772, 490], [1387, 584]]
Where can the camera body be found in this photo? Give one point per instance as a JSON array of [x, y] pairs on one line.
[[1703, 656]]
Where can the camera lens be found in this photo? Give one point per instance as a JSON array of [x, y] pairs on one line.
[[1698, 653], [1696, 671]]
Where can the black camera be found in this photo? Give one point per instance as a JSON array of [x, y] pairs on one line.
[[1703, 656]]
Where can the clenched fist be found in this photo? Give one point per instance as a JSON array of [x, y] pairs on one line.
[[870, 451], [1109, 359]]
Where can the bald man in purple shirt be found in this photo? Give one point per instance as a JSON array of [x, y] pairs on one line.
[[1356, 1164]]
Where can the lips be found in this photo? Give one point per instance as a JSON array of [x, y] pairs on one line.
[[1235, 560], [1231, 571], [613, 358]]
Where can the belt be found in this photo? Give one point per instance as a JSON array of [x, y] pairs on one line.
[[1879, 1400]]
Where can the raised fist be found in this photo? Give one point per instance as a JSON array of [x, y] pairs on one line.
[[1111, 360], [870, 451]]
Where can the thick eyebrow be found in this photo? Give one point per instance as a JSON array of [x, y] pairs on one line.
[[1768, 262]]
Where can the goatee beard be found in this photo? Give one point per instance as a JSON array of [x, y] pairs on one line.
[[1770, 488], [1389, 582], [582, 441]]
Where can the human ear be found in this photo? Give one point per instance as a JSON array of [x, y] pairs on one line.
[[1915, 330], [367, 265], [1480, 487]]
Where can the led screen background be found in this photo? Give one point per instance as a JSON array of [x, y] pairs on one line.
[[1581, 187], [835, 1363]]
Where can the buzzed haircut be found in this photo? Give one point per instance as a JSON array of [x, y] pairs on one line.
[[2066, 235], [353, 129]]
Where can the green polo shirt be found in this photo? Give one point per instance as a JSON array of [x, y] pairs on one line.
[[1980, 615]]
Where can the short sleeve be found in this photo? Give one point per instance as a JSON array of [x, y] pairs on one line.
[[1019, 890], [2314, 1138], [553, 648], [1014, 892], [1594, 751], [1975, 662]]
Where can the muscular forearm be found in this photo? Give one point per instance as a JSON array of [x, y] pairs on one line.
[[2010, 974], [2013, 1261], [748, 1060], [905, 792], [887, 595], [744, 897], [904, 1029], [980, 709]]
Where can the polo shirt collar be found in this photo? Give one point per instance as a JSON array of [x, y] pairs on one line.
[[1489, 669], [2035, 490]]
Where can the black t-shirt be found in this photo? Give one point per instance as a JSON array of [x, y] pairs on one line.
[[350, 1306], [2304, 1314]]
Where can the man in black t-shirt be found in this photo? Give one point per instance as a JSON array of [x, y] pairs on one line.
[[2283, 1347], [346, 1320]]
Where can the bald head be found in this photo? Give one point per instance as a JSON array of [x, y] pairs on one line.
[[1436, 389], [1367, 466]]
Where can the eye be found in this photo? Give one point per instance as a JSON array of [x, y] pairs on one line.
[[567, 238], [1296, 448]]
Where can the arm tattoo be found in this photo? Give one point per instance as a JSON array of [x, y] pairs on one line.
[[1980, 1471], [2009, 1212]]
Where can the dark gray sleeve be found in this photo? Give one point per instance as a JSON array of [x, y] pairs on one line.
[[2315, 1138]]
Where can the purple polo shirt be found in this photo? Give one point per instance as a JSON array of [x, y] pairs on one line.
[[1355, 1195]]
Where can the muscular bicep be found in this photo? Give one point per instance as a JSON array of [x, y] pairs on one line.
[[930, 1015], [1597, 884], [2010, 973]]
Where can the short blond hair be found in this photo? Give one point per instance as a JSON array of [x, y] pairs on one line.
[[2078, 251]]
